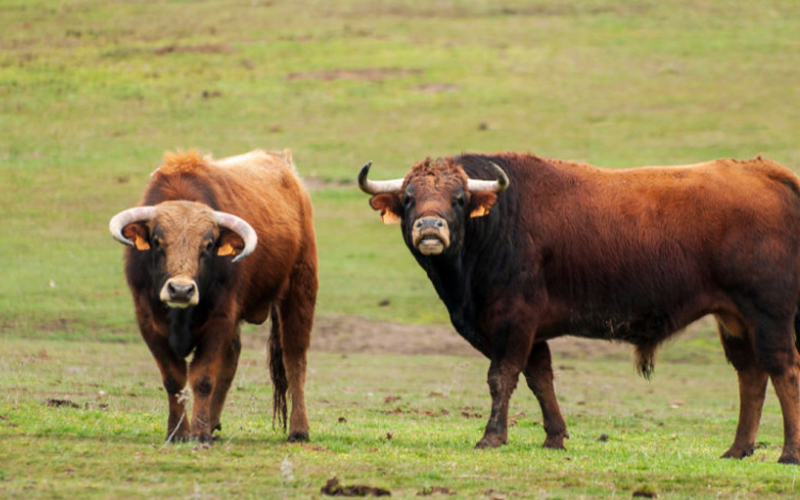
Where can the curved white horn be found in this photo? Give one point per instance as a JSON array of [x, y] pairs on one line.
[[122, 219], [377, 187], [240, 227], [498, 186]]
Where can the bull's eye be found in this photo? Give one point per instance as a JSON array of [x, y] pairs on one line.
[[155, 242], [460, 200], [408, 201], [209, 247]]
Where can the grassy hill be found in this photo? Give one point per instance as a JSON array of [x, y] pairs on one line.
[[92, 93]]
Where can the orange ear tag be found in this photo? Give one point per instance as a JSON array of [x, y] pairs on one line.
[[479, 212], [389, 217], [140, 243], [226, 249]]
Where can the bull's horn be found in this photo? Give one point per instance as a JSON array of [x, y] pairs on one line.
[[240, 227], [122, 219], [377, 187], [498, 186]]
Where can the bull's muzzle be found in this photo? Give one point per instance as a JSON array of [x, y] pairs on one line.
[[180, 293], [430, 235]]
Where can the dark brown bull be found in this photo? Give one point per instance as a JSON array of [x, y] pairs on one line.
[[192, 285], [524, 249]]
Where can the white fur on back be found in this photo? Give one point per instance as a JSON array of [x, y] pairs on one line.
[[257, 156]]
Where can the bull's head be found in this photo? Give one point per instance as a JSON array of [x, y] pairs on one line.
[[182, 237], [433, 202]]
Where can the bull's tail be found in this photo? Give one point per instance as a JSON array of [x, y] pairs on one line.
[[797, 329], [277, 370]]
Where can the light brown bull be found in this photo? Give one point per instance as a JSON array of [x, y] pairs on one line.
[[214, 243]]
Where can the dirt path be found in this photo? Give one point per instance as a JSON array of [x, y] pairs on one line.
[[353, 334]]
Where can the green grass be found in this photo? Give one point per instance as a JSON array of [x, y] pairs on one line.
[[398, 422], [92, 93]]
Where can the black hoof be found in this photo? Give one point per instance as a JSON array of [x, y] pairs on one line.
[[297, 437]]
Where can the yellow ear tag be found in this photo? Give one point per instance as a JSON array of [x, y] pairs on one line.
[[226, 249], [389, 217], [479, 212], [140, 243]]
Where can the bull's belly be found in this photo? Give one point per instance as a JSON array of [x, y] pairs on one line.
[[635, 328]]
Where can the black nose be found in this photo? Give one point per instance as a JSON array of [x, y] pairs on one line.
[[180, 293], [429, 223]]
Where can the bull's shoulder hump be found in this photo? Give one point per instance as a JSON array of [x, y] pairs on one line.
[[256, 161], [188, 162]]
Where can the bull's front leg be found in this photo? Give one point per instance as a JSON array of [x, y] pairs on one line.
[[172, 368], [509, 353], [173, 375], [502, 383], [210, 374], [224, 381]]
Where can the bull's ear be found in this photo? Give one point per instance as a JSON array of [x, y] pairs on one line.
[[389, 206], [139, 234], [229, 243], [481, 202]]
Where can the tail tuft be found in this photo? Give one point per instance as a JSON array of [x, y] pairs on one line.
[[645, 355]]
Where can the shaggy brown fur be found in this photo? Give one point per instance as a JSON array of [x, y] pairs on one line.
[[279, 278], [627, 255]]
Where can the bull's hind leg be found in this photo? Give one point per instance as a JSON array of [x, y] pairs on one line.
[[539, 376], [774, 354], [786, 387], [752, 385], [778, 355], [296, 318]]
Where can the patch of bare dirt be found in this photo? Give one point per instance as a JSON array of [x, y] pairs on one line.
[[359, 335], [57, 403], [315, 183], [416, 411], [435, 490], [436, 88], [198, 49], [369, 74], [335, 489], [353, 334]]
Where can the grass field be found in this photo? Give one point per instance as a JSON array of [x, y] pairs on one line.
[[403, 423], [91, 95]]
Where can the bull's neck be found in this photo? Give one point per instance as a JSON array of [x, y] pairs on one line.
[[453, 285], [465, 279], [181, 339]]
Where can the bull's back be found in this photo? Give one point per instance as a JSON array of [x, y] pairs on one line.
[[267, 192], [266, 181], [648, 212], [636, 254]]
